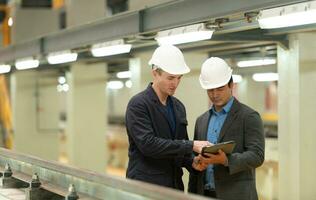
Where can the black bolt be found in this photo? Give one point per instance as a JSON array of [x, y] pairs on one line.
[[35, 182], [72, 194], [7, 171]]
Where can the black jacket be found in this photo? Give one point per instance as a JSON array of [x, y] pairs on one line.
[[238, 180], [155, 155]]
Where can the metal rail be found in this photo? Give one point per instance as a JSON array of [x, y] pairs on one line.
[[43, 179]]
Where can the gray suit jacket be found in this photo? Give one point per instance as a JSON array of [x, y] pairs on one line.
[[237, 180]]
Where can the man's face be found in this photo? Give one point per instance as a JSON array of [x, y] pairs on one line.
[[167, 83], [220, 96]]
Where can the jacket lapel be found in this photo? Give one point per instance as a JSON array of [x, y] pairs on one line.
[[229, 119], [178, 120], [204, 125], [150, 91]]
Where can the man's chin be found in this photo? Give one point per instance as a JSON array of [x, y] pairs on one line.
[[217, 103]]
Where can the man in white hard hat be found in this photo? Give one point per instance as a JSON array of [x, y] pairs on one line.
[[230, 176], [157, 126]]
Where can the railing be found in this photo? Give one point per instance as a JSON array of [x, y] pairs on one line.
[[41, 179]]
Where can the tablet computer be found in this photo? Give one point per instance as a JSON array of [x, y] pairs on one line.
[[226, 147]]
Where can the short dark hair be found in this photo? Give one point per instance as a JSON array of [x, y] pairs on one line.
[[230, 81]]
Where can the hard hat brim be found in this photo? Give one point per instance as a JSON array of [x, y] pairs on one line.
[[175, 70], [208, 86]]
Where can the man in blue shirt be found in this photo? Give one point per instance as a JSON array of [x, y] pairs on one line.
[[227, 176]]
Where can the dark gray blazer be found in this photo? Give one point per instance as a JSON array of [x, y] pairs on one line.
[[237, 181], [156, 155]]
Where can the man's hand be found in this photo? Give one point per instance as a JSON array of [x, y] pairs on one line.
[[219, 158], [198, 145], [197, 164]]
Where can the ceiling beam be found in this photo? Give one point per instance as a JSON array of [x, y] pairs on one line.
[[164, 16], [183, 12], [21, 50]]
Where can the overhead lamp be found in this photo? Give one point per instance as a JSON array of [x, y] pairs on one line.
[[26, 63], [61, 80], [237, 78], [115, 85], [110, 48], [180, 35], [124, 74], [65, 87], [62, 87], [59, 88], [61, 57], [260, 62], [261, 77], [287, 16], [10, 21], [5, 69], [128, 84]]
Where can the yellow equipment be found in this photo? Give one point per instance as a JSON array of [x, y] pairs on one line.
[[5, 108], [5, 113]]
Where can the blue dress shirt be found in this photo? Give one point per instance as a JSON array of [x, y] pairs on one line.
[[215, 124]]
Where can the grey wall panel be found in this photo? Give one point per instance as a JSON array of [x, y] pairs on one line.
[[34, 23], [100, 31]]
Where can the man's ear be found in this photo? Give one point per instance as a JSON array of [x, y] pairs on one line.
[[154, 73], [231, 85]]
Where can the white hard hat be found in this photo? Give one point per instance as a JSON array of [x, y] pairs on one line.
[[215, 73], [170, 59]]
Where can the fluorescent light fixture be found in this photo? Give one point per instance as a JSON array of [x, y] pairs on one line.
[[128, 84], [185, 34], [252, 63], [110, 48], [5, 69], [115, 85], [261, 77], [61, 80], [62, 87], [59, 88], [65, 87], [124, 74], [61, 57], [292, 15], [26, 63], [10, 21], [237, 78]]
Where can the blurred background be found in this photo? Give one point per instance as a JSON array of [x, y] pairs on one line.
[[72, 110]]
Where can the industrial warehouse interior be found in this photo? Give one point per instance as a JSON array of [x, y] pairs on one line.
[[64, 90]]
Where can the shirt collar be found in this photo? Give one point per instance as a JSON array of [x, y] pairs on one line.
[[151, 92]]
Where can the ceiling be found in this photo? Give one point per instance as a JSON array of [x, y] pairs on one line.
[[237, 34]]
